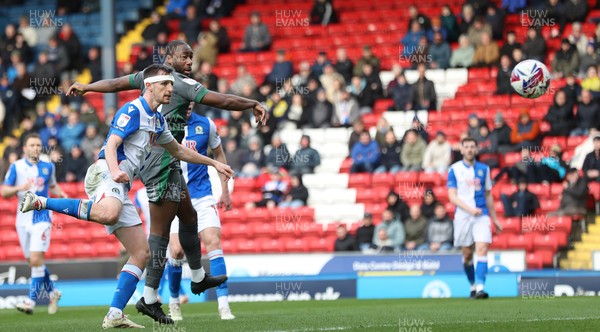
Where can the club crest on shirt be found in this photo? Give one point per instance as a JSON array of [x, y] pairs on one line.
[[479, 172], [199, 130], [123, 120], [45, 171]]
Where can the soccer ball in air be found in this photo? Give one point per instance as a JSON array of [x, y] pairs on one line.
[[530, 78]]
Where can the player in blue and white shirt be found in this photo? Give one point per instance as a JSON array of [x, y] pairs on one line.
[[200, 134], [136, 128], [34, 227], [469, 188]]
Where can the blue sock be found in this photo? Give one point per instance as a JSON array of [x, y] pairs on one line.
[[37, 287], [130, 275], [48, 283], [481, 272], [175, 271], [470, 271], [74, 207], [217, 267]]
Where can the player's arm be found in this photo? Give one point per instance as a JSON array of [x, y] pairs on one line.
[[108, 85], [489, 202], [180, 152], [110, 154], [453, 197], [235, 103], [9, 187], [219, 155]]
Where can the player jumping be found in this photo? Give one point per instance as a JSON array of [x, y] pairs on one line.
[[34, 228], [469, 188], [161, 174], [137, 127]]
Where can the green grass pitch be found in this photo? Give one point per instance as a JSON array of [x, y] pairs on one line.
[[431, 315]]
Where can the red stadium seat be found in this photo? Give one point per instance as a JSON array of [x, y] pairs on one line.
[[549, 205], [9, 238], [244, 184], [523, 241], [270, 245], [262, 229], [540, 190], [359, 180], [535, 224], [430, 179], [319, 244], [511, 225], [499, 242], [233, 215], [228, 246], [534, 261], [239, 230], [382, 179], [574, 141], [562, 224], [107, 249], [296, 245], [548, 141], [479, 75], [407, 177], [61, 251], [79, 235], [548, 241], [83, 250], [247, 246]]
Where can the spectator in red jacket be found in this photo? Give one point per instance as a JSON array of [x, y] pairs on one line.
[[526, 132]]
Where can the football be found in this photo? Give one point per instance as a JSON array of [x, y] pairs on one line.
[[530, 78]]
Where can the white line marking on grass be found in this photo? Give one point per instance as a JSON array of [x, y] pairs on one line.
[[335, 328]]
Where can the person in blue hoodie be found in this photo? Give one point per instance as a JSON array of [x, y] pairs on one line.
[[552, 169], [365, 154]]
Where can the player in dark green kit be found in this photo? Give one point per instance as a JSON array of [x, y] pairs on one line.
[[161, 174]]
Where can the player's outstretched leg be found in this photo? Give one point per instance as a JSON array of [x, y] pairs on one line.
[[134, 240], [469, 269], [78, 208], [481, 270]]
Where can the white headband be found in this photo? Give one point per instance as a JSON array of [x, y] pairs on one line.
[[159, 78]]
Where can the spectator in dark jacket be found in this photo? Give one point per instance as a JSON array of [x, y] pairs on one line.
[[552, 168], [487, 145], [190, 24], [576, 10], [316, 70], [343, 65], [591, 164], [282, 70], [278, 155], [415, 16], [235, 157], [439, 52], [526, 168], [572, 89], [415, 227], [400, 93], [566, 59], [398, 205], [510, 44], [390, 154], [588, 115], [323, 13], [428, 205], [306, 158], [449, 24], [364, 234], [257, 36], [344, 241], [574, 195], [94, 64], [298, 195], [254, 159], [440, 231], [157, 26], [520, 203], [320, 113], [503, 86], [535, 45], [423, 96], [223, 42], [366, 57], [495, 18], [502, 133], [560, 115], [365, 154], [76, 165]]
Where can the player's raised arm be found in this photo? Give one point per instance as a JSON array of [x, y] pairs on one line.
[[235, 103], [180, 152], [108, 85]]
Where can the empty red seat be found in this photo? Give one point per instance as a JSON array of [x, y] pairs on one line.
[[295, 245], [382, 179], [511, 225], [548, 241], [239, 230], [233, 215], [479, 74], [311, 229], [262, 229], [9, 238], [13, 252], [574, 141], [540, 190], [60, 251], [403, 177], [523, 241], [83, 250], [549, 205], [511, 158], [430, 179], [79, 235], [345, 166], [534, 261], [107, 249], [535, 224], [548, 141], [359, 180], [320, 244], [560, 223], [244, 184], [228, 246], [247, 246], [270, 245], [499, 242]]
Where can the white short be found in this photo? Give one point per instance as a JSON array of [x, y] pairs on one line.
[[472, 229], [208, 216], [99, 184], [34, 237]]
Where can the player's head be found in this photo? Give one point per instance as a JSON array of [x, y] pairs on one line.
[[158, 80], [32, 147], [179, 56], [469, 149]]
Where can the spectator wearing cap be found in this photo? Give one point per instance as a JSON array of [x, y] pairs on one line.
[[534, 46], [298, 195], [413, 150], [566, 59], [344, 241], [591, 163], [390, 154], [521, 203], [505, 68], [438, 155], [394, 230], [487, 147], [257, 36], [365, 233], [574, 196], [422, 96], [320, 62], [588, 115], [365, 154], [560, 115], [415, 227], [589, 58], [526, 132], [282, 70], [552, 168], [462, 57], [306, 158], [367, 57]]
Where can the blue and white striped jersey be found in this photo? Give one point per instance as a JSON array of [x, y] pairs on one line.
[[471, 183]]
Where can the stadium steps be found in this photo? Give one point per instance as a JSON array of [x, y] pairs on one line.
[[580, 257]]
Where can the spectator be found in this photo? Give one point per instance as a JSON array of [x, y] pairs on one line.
[[416, 17], [400, 93], [157, 26], [462, 57], [57, 55], [207, 48], [397, 205], [295, 112], [526, 132], [574, 196], [373, 88], [572, 89], [69, 40], [495, 18], [390, 154], [206, 76], [487, 147], [552, 168], [235, 157], [320, 114], [23, 48], [535, 45], [44, 69], [143, 60], [513, 6], [437, 156], [415, 226], [358, 127], [510, 44], [591, 164], [566, 59], [560, 116], [383, 245], [487, 53], [439, 52], [11, 147], [51, 129], [505, 68], [243, 78], [278, 155], [91, 142], [467, 19], [300, 80], [323, 13], [517, 56], [343, 65], [521, 203], [72, 133], [328, 81], [175, 8], [7, 43], [76, 165], [346, 110], [257, 36], [588, 115], [578, 38], [589, 59], [364, 95], [429, 203], [556, 12], [306, 158], [449, 23], [190, 24], [525, 168], [381, 128], [592, 82], [94, 64], [320, 62], [576, 10], [394, 229], [436, 26], [365, 233], [367, 57], [28, 31], [223, 42], [440, 231], [277, 108], [344, 241], [423, 96], [474, 123], [254, 159], [365, 154], [413, 151], [298, 195], [477, 30], [582, 150], [274, 190]]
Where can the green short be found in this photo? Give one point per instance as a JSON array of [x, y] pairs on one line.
[[161, 174]]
